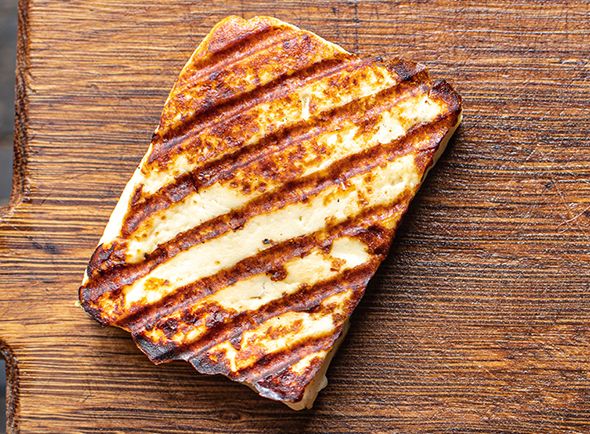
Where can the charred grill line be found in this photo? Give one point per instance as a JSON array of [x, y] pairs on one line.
[[305, 299], [226, 57], [223, 168], [232, 107], [147, 316], [199, 67], [296, 191]]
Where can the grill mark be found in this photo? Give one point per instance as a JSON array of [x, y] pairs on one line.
[[202, 64], [316, 71], [402, 69], [232, 108], [306, 299], [223, 168], [217, 90], [243, 44], [285, 385], [270, 374], [273, 383], [309, 300], [443, 90], [234, 30], [268, 363], [362, 225], [106, 258], [246, 46], [144, 316], [279, 360], [330, 175], [295, 191]]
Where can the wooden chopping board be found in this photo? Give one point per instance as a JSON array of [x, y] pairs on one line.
[[478, 321]]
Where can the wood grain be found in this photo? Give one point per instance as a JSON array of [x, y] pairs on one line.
[[479, 321]]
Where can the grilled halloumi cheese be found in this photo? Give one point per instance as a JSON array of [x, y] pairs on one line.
[[268, 197]]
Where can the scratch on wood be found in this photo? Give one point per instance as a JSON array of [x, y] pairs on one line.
[[574, 218], [567, 209]]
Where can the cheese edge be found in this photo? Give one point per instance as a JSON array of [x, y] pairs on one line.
[[320, 381]]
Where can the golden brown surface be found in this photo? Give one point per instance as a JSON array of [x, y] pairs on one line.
[[478, 320], [269, 196]]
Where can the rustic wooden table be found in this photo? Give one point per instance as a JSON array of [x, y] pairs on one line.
[[478, 321]]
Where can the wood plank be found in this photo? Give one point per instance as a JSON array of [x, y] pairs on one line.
[[478, 321]]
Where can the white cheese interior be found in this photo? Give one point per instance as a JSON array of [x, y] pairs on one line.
[[334, 202]]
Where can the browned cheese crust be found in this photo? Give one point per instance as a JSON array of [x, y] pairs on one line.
[[270, 194]]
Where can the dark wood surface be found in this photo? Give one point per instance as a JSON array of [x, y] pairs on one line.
[[478, 321]]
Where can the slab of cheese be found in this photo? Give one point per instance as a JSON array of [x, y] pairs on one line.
[[269, 195]]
